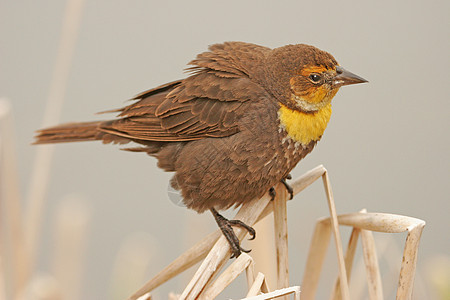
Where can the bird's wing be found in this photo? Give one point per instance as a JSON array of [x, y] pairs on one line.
[[206, 104]]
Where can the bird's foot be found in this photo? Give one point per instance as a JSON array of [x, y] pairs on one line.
[[289, 188], [272, 193], [228, 232]]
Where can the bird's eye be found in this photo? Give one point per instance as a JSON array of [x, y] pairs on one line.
[[316, 78]]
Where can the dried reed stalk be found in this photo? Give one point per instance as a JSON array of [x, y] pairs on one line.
[[408, 269], [349, 257], [345, 293], [372, 269], [220, 253], [259, 285], [281, 236], [278, 293], [252, 211], [234, 270], [371, 222], [41, 167], [263, 249], [315, 259], [10, 200], [186, 260], [250, 273]]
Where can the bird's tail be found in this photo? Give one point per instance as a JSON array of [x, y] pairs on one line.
[[70, 132]]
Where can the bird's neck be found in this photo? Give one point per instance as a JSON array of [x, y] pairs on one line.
[[304, 127]]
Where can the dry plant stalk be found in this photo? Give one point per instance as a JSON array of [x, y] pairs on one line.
[[10, 201], [243, 262], [25, 226], [349, 256], [249, 213], [371, 263], [259, 285], [278, 293], [220, 253], [281, 236], [41, 168], [186, 260], [367, 222]]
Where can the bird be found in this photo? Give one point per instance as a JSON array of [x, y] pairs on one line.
[[232, 129]]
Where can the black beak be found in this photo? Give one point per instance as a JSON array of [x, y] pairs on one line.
[[345, 77]]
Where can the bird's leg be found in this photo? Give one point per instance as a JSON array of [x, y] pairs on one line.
[[228, 232], [289, 188]]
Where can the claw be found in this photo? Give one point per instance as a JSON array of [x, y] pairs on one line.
[[272, 193], [288, 187], [228, 232]]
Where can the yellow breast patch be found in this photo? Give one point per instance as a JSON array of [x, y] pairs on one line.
[[303, 127]]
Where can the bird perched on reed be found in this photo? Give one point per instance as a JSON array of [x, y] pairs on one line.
[[233, 129]]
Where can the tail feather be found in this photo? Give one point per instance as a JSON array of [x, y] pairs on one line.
[[70, 132]]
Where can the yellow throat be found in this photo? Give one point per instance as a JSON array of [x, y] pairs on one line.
[[304, 127]]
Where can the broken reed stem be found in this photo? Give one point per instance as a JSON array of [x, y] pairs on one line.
[[408, 269], [41, 168], [243, 262], [255, 288], [281, 236], [250, 273]]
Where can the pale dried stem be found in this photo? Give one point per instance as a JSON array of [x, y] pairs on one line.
[[349, 257], [372, 269], [186, 260], [263, 249], [381, 222], [315, 259], [13, 251], [255, 288], [278, 293], [281, 237], [41, 168], [2, 271], [250, 274], [227, 276], [218, 255], [408, 269], [345, 293], [388, 223], [299, 185], [199, 251]]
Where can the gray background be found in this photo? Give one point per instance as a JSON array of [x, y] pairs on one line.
[[386, 146]]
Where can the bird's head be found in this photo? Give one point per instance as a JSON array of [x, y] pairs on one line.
[[305, 78]]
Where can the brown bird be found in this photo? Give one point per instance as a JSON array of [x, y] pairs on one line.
[[234, 128]]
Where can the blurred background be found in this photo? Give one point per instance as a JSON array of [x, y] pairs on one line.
[[386, 147]]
